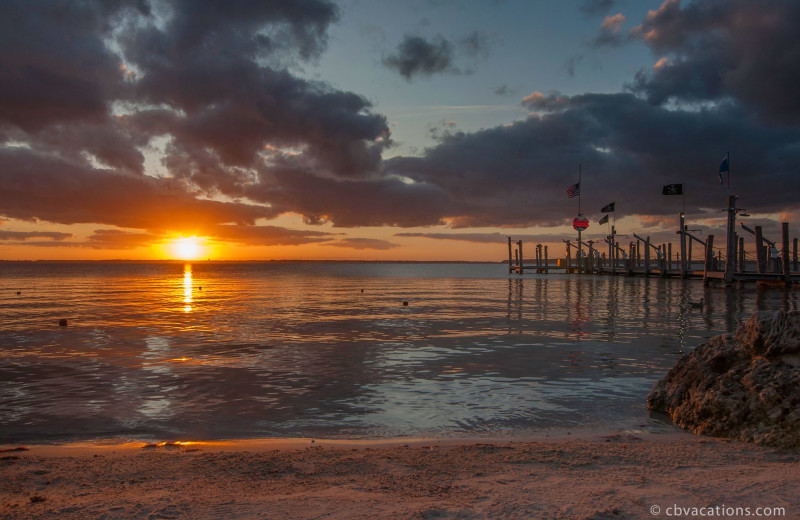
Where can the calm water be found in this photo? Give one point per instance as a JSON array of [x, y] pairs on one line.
[[228, 350]]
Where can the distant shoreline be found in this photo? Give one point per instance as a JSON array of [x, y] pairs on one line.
[[282, 261]]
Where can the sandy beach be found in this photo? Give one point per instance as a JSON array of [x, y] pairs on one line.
[[618, 475]]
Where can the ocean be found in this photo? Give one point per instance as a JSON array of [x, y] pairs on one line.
[[216, 350]]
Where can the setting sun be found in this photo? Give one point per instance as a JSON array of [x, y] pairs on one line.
[[189, 248]]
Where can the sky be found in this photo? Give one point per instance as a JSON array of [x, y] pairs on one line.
[[384, 130]]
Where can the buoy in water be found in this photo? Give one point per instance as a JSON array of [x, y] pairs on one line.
[[62, 322], [19, 292], [405, 304]]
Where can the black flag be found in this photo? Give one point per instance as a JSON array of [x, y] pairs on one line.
[[603, 220], [672, 189], [608, 208]]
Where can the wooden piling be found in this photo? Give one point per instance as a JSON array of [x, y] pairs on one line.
[[638, 254], [761, 252], [684, 266], [730, 243], [742, 261], [709, 259], [785, 235], [669, 256], [546, 261], [569, 256], [510, 265], [521, 258]]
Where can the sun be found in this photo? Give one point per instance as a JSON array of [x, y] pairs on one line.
[[188, 248]]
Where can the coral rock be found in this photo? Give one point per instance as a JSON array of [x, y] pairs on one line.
[[744, 386]]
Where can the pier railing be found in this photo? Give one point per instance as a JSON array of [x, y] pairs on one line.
[[766, 263]]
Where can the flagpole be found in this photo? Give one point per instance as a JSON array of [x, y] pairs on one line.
[[683, 195], [579, 213], [579, 191], [728, 158]]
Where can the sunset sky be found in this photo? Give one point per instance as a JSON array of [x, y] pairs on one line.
[[378, 130]]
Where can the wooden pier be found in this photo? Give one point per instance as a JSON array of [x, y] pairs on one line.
[[771, 265]]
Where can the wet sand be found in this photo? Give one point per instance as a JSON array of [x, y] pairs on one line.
[[597, 476]]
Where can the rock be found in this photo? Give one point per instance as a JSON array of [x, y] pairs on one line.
[[744, 386]]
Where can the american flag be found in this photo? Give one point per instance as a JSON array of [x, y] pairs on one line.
[[574, 190]]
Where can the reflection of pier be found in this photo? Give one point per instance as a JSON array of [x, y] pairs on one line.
[[771, 262]]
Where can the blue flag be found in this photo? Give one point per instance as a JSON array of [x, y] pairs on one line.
[[723, 168]]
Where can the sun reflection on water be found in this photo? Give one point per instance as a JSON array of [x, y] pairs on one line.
[[187, 288]]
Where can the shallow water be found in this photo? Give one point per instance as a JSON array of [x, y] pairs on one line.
[[231, 350]]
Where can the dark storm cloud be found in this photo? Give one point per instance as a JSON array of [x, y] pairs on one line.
[[36, 186], [740, 55], [740, 49], [86, 88], [416, 56], [54, 64], [350, 203], [629, 149]]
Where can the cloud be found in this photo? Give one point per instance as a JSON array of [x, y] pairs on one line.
[[741, 50], [596, 7], [26, 235], [87, 91], [44, 187], [516, 175], [119, 239], [350, 203], [476, 44], [364, 243], [479, 238], [56, 67], [416, 56], [571, 63], [487, 238], [552, 102], [267, 235], [610, 30], [503, 90]]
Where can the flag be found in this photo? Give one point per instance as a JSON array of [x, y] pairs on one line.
[[608, 208], [603, 220], [723, 168], [574, 190], [672, 189]]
